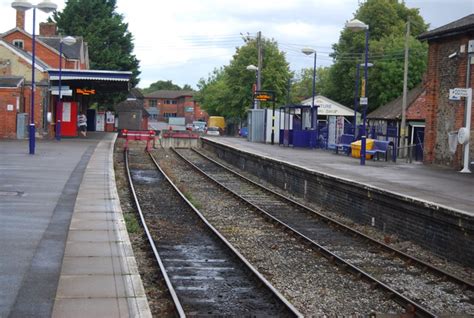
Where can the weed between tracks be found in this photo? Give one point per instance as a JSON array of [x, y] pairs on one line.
[[131, 222]]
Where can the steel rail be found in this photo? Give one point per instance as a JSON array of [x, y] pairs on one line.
[[402, 255], [172, 292], [259, 276], [403, 301]]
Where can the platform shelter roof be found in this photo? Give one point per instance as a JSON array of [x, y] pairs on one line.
[[328, 107]]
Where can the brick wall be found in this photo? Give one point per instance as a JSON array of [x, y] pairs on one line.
[[42, 52], [442, 115], [8, 96], [447, 233]]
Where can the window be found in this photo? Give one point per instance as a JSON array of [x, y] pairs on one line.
[[168, 115], [19, 44], [152, 102], [171, 101]]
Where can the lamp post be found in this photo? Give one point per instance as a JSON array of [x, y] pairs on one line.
[[68, 40], [253, 68], [357, 25], [314, 110], [356, 95], [45, 6]]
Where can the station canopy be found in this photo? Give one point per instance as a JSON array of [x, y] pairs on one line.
[[90, 80], [328, 107]]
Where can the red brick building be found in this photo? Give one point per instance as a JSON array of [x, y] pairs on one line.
[[163, 104], [16, 62], [450, 65]]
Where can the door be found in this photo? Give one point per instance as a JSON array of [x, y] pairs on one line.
[[69, 119], [419, 135]]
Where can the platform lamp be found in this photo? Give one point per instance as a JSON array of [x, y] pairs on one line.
[[68, 40], [314, 111], [48, 7], [356, 95], [356, 26], [253, 68]]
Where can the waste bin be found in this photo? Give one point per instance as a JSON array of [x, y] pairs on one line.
[[357, 145]]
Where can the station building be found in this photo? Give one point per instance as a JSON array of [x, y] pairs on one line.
[[78, 81]]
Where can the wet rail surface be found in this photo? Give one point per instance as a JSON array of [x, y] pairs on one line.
[[435, 291], [203, 272]]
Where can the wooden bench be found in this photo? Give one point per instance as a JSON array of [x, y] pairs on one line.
[[380, 147], [345, 144]]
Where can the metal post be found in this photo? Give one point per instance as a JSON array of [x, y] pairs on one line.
[[468, 129], [356, 99], [273, 123], [364, 137], [59, 113], [32, 130], [259, 65]]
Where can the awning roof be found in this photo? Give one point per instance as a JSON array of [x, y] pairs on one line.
[[96, 75], [328, 107]]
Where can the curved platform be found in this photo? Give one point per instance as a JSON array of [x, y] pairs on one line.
[[65, 250]]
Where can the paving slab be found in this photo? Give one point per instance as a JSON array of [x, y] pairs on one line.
[[41, 206]]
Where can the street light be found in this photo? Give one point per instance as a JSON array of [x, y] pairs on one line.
[[356, 95], [356, 26], [68, 40], [253, 68], [48, 7], [314, 110]]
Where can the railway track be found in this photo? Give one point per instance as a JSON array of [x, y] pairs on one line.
[[414, 284], [204, 274]]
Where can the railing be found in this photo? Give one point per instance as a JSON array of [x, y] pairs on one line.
[[409, 152]]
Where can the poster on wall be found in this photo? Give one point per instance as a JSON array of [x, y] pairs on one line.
[[66, 112], [100, 121], [332, 130], [110, 117], [339, 126]]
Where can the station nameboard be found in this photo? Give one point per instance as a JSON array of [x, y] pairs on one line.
[[84, 91], [264, 96]]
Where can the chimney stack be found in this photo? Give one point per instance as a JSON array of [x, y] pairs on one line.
[[47, 29], [20, 19]]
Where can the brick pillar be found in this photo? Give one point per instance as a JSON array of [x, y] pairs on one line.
[[47, 29], [431, 100], [20, 19]]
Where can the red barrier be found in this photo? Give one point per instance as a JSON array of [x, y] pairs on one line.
[[138, 135]]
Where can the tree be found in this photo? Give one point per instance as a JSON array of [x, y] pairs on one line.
[[228, 91], [387, 21], [110, 44], [302, 87], [163, 85]]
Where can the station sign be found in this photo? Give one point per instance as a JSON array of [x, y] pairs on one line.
[[83, 91], [457, 93], [264, 96]]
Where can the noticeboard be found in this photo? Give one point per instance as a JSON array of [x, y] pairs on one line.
[[264, 96]]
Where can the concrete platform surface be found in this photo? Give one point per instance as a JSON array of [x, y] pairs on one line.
[[437, 185], [65, 251]]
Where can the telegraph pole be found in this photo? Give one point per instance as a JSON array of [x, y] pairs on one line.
[[259, 65], [403, 133]]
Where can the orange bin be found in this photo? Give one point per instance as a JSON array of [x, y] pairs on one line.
[[357, 145]]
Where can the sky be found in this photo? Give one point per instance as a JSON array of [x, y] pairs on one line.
[[184, 40]]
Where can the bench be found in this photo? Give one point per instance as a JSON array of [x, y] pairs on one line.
[[345, 144], [380, 147]]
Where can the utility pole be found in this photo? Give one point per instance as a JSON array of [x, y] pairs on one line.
[[403, 134], [259, 65]]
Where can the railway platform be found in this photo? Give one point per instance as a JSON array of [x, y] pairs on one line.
[[65, 250], [435, 185]]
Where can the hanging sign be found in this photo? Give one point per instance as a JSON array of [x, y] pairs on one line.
[[83, 91], [264, 96]]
